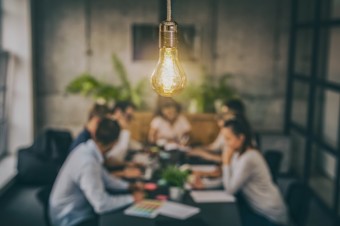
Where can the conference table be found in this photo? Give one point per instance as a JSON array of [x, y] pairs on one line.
[[211, 214]]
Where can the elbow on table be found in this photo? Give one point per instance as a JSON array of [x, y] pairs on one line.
[[117, 203], [100, 208], [103, 207], [229, 189]]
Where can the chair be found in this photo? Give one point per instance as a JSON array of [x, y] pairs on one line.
[[43, 196], [257, 140], [273, 159], [39, 164], [248, 216], [298, 198]]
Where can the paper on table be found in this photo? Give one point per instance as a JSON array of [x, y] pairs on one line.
[[142, 158], [211, 196], [177, 210], [203, 168], [212, 182]]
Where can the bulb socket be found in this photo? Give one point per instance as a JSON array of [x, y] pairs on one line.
[[168, 34]]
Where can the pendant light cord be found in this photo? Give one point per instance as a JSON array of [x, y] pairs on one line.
[[168, 15]]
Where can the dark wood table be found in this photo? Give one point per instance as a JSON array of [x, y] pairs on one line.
[[211, 214]]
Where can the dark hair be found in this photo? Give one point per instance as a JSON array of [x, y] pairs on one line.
[[236, 105], [123, 105], [165, 102], [99, 110], [107, 131], [240, 126]]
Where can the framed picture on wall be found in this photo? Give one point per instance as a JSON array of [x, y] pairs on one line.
[[145, 42]]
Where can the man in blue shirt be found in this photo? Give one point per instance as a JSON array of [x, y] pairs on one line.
[[80, 190]]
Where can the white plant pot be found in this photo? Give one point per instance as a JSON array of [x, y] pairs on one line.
[[176, 193], [218, 105], [193, 106]]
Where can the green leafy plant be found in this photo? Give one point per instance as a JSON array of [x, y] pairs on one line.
[[134, 94], [216, 89], [87, 85], [192, 92], [206, 90], [174, 176]]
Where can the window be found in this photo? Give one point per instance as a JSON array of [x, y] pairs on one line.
[[313, 97], [3, 89]]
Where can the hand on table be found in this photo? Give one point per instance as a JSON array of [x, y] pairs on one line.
[[134, 164], [215, 173], [128, 172], [197, 183], [131, 172], [196, 152], [138, 196]]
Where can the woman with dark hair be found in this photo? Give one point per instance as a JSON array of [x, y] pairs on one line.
[[234, 106], [169, 125], [231, 109], [245, 172]]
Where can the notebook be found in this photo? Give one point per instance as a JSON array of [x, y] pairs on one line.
[[211, 196], [146, 208], [178, 210]]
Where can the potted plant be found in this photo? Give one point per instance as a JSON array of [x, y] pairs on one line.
[[216, 91], [87, 85], [207, 93], [175, 179]]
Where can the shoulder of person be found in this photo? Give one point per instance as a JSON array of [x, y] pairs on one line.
[[156, 120], [89, 164], [251, 155], [182, 119]]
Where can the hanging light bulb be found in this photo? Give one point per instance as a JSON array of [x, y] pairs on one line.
[[168, 78]]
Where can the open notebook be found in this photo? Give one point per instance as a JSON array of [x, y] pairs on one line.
[[178, 210], [146, 208], [151, 208]]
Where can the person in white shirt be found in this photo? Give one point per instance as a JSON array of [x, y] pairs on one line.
[[123, 112], [80, 190], [245, 172], [169, 125]]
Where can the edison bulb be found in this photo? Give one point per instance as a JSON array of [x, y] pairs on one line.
[[168, 77]]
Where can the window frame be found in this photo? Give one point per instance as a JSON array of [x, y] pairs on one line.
[[319, 59]]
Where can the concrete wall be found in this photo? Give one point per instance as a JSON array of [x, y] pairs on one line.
[[246, 38], [252, 44]]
